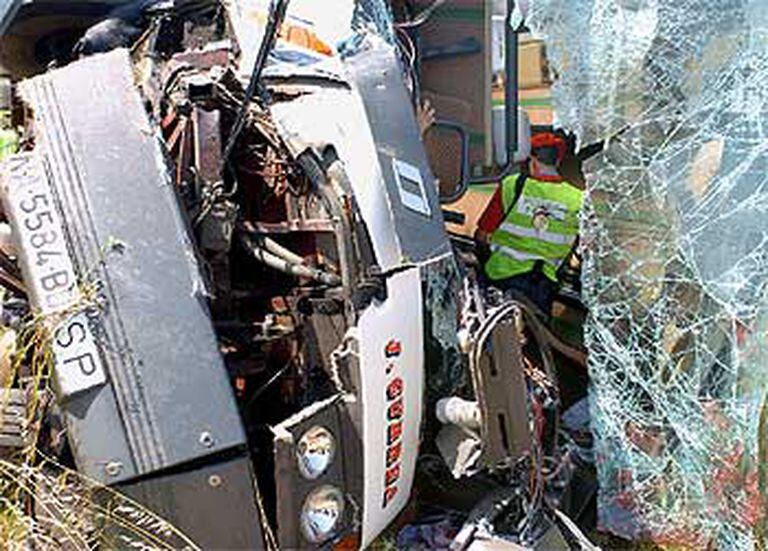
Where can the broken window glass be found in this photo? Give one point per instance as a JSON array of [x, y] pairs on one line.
[[311, 33], [675, 233]]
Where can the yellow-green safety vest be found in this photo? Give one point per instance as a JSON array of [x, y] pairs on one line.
[[519, 243]]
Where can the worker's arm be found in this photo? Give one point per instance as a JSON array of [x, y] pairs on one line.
[[491, 219]]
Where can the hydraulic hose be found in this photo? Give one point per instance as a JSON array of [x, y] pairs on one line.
[[268, 258], [277, 249]]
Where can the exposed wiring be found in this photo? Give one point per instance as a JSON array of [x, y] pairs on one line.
[[410, 57], [422, 17], [259, 391], [277, 12]]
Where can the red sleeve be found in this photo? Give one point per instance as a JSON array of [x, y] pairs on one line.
[[493, 215]]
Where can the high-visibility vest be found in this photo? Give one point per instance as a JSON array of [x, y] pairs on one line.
[[541, 225]]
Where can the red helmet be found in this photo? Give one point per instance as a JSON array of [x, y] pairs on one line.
[[546, 140]]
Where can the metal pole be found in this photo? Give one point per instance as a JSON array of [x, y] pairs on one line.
[[511, 93], [511, 99]]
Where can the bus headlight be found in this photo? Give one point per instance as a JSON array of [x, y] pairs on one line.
[[322, 513], [315, 452]]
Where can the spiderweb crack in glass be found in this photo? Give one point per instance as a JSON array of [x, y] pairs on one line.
[[676, 238]]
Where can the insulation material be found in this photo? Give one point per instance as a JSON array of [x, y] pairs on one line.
[[676, 239]]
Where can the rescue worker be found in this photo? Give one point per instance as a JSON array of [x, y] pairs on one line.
[[532, 225]]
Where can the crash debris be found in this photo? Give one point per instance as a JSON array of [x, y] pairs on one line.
[[365, 273]]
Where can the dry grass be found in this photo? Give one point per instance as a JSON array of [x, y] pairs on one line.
[[46, 506], [43, 504]]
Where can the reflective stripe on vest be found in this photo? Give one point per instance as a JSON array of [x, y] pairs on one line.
[[521, 256], [549, 237], [518, 244]]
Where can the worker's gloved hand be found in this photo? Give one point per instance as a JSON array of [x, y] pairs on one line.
[[482, 251], [426, 116], [482, 246]]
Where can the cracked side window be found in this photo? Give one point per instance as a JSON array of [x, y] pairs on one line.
[[676, 238]]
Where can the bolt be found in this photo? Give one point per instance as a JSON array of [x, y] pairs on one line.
[[113, 468], [206, 439], [214, 480]]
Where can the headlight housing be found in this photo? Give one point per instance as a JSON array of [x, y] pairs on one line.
[[315, 452], [322, 514]]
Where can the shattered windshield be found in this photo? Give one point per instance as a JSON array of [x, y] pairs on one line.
[[311, 32], [676, 242]]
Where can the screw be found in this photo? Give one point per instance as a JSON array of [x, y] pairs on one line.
[[206, 439], [214, 480], [113, 468]]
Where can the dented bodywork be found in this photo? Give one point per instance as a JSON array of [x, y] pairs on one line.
[[238, 251], [311, 242]]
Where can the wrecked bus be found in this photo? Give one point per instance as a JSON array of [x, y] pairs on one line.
[[235, 264]]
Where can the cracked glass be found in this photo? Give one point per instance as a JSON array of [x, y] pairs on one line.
[[675, 236]]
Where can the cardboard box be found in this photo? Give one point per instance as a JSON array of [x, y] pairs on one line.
[[472, 205], [533, 68]]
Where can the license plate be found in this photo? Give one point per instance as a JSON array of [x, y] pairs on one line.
[[49, 274], [78, 363]]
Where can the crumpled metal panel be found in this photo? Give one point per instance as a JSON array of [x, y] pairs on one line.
[[676, 238], [365, 112], [168, 400]]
